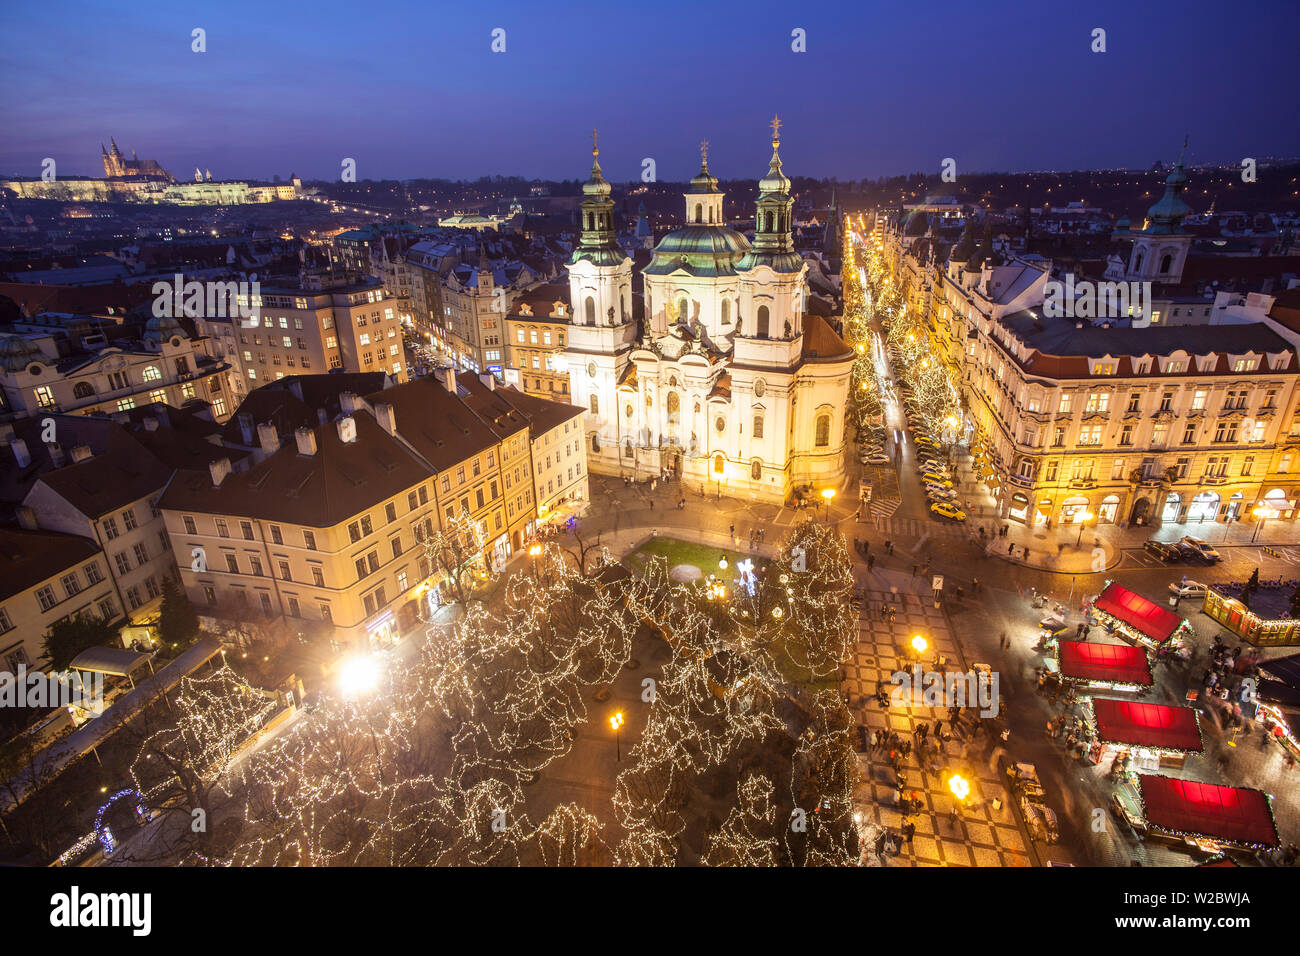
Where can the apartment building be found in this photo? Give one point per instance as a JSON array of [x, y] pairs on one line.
[[319, 324], [536, 328], [46, 577], [59, 364], [559, 457], [327, 523]]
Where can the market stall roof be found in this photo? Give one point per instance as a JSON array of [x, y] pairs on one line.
[[1230, 814], [1111, 663], [113, 661], [1147, 725], [1151, 619], [1283, 680]]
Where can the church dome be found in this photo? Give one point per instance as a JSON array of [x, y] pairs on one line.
[[16, 353], [705, 250], [162, 326]]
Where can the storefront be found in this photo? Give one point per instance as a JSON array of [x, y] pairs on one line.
[[1204, 507], [382, 630], [1073, 510], [1096, 668], [1144, 736], [1249, 626], [1207, 815], [1173, 505], [1019, 508], [1108, 510], [1279, 504], [1136, 619]]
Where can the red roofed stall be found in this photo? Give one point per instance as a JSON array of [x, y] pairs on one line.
[[1154, 735], [1137, 618], [1108, 664], [1233, 815]]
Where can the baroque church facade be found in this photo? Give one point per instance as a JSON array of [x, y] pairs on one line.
[[727, 381]]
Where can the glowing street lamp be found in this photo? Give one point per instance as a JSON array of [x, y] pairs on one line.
[[1263, 513], [959, 786], [359, 675], [616, 724], [1082, 518], [919, 644]]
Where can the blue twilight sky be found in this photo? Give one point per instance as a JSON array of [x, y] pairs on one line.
[[413, 88]]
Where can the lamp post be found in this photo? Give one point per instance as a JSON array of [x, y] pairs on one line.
[[1262, 513], [616, 723], [1083, 519], [829, 495]]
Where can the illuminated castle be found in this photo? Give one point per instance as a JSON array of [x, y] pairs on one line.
[[117, 166]]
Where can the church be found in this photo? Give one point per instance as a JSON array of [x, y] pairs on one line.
[[726, 381]]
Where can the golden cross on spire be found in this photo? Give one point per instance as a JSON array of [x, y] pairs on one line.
[[776, 130], [595, 150], [704, 152]]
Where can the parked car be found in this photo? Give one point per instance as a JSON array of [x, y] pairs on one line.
[[1202, 548], [948, 510], [1188, 589], [935, 478], [1165, 552], [876, 460]]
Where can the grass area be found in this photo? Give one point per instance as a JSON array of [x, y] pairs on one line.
[[702, 556]]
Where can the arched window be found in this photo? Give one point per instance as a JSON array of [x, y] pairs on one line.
[[719, 464], [151, 373], [1137, 262], [83, 390], [726, 312], [768, 220], [823, 430], [758, 424], [699, 212], [590, 310], [1166, 262], [710, 214], [756, 469], [682, 315], [595, 405], [762, 321], [595, 442], [674, 406], [622, 307]]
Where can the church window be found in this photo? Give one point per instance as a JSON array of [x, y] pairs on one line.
[[823, 430], [762, 321], [756, 469], [590, 308], [83, 390], [758, 424], [719, 464], [699, 213], [726, 312], [682, 313], [1165, 263], [1137, 263], [628, 411], [151, 373], [595, 405], [760, 387], [674, 406], [768, 218], [720, 424]]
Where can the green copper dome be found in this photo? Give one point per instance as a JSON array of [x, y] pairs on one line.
[[1166, 216], [700, 250]]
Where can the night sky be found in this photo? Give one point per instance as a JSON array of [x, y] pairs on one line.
[[413, 89]]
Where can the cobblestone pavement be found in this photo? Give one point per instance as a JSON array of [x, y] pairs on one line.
[[980, 835]]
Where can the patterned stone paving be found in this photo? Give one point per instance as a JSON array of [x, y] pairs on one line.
[[982, 835]]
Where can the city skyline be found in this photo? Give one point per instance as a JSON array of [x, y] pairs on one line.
[[274, 96]]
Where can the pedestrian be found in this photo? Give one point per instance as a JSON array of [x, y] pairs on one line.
[[914, 570], [909, 830], [1011, 549], [871, 562], [1026, 554]]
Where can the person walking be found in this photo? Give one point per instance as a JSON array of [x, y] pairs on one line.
[[871, 563], [914, 570]]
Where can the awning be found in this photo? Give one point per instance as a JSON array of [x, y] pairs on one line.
[[1151, 619], [1108, 663], [1147, 725], [113, 661], [1230, 814]]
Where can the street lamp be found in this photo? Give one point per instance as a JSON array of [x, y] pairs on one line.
[[959, 786], [359, 675], [616, 724], [1083, 518], [919, 644], [1263, 513], [829, 495]]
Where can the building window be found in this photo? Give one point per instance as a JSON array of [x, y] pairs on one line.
[[823, 438], [190, 527], [309, 540], [758, 425]]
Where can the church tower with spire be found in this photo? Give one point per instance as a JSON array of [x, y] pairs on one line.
[[602, 329], [1160, 247]]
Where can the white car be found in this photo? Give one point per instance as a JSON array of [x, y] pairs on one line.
[[1201, 547], [1188, 589]]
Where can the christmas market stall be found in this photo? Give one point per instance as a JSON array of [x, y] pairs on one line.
[[1207, 816], [1094, 668], [1137, 619], [1277, 702], [1143, 736], [1252, 625]]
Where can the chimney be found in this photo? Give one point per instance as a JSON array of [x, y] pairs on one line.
[[488, 379], [350, 402], [19, 447], [347, 426], [81, 453], [150, 423], [219, 470], [447, 376], [387, 417], [306, 439], [267, 438], [56, 453], [246, 427], [27, 518]]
